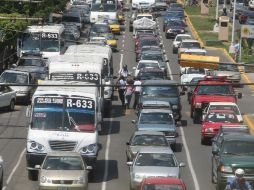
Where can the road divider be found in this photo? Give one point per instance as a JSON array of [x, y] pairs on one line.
[[250, 122]]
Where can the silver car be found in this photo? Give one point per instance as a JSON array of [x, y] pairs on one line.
[[153, 162], [141, 139]]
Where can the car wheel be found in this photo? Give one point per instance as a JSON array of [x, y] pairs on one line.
[[12, 105], [33, 175], [174, 51]]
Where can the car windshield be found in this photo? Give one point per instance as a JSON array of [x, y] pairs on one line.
[[144, 32], [233, 108], [237, 147], [16, 78], [147, 65], [195, 71], [175, 23], [162, 187], [151, 75], [155, 57], [70, 18], [77, 115], [189, 45], [31, 62], [214, 89], [149, 140], [180, 38], [156, 118], [233, 68], [221, 117], [155, 159], [149, 42], [63, 163], [104, 7], [100, 28], [160, 92], [142, 16]]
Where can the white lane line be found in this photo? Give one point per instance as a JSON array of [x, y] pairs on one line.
[[170, 72], [15, 167], [190, 165], [104, 183], [121, 61]]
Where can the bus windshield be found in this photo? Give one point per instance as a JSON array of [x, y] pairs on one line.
[[104, 7], [64, 114]]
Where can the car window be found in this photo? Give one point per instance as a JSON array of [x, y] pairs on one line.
[[225, 107], [17, 78], [63, 163], [160, 92], [147, 65], [195, 71], [156, 117], [155, 159], [149, 140], [222, 117], [191, 45], [214, 89], [238, 147]]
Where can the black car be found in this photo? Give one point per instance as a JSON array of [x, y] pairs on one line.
[[174, 27]]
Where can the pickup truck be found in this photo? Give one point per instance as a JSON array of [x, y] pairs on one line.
[[211, 89]]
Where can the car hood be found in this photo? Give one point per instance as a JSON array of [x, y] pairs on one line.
[[21, 88], [214, 98], [217, 125], [229, 74], [175, 27], [186, 78], [237, 161], [157, 127], [62, 174], [135, 149], [150, 171], [171, 100]]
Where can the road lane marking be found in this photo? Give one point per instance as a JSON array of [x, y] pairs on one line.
[[104, 183], [121, 61], [249, 122], [15, 168], [190, 165]]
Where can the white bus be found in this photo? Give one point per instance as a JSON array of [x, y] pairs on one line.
[[63, 118], [86, 68], [103, 10], [47, 40]]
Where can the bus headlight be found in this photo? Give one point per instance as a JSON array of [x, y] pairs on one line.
[[35, 147], [92, 148]]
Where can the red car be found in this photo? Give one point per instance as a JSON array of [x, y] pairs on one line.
[[214, 120], [162, 183], [211, 89]]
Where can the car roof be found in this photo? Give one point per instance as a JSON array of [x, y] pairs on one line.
[[237, 137], [221, 111], [158, 82], [148, 61], [163, 180], [17, 70], [158, 110], [189, 40], [149, 51], [151, 70], [148, 133], [156, 150]]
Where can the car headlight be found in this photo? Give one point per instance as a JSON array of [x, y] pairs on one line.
[[35, 147], [106, 92], [226, 169], [92, 148], [44, 179], [182, 31], [175, 107], [80, 180], [169, 30], [198, 105], [138, 177], [209, 130]]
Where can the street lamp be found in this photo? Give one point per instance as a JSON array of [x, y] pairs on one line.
[[216, 25], [231, 47]]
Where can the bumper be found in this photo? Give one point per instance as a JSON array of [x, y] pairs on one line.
[[63, 187], [22, 97], [208, 136], [90, 160]]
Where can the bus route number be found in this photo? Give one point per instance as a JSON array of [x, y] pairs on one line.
[[79, 103]]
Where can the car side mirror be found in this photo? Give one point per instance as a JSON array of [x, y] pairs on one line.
[[28, 111], [133, 121], [160, 44], [239, 95], [89, 167], [37, 167], [182, 164], [129, 163]]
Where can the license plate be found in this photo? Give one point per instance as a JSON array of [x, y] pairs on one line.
[[62, 188]]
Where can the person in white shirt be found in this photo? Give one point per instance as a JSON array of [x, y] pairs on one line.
[[137, 90], [124, 71], [121, 89]]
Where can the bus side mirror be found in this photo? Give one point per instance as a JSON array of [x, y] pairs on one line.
[[28, 111]]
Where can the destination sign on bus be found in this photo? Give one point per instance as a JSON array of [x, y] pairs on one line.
[[83, 103], [85, 77], [48, 35]]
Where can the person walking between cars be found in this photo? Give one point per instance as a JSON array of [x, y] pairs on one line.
[[128, 92], [124, 71], [239, 182], [137, 90], [121, 89]]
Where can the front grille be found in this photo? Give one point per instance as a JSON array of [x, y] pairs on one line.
[[62, 145], [67, 182], [204, 105]]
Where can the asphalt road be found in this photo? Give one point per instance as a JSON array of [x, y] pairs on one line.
[[112, 172]]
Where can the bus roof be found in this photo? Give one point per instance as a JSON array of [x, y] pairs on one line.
[[56, 28], [91, 49], [69, 89]]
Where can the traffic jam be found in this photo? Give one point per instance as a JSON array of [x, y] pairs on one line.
[[121, 95]]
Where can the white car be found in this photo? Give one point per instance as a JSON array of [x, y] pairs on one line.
[[188, 73], [7, 97], [195, 51], [178, 39], [187, 45], [223, 106], [145, 64]]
